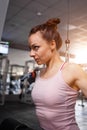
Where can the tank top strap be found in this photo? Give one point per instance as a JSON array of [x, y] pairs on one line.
[[62, 65]]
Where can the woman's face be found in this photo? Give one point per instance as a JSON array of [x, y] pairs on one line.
[[41, 50]]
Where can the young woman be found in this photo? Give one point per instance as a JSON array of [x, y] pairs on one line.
[[56, 87]]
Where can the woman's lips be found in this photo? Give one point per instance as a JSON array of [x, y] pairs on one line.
[[37, 60]]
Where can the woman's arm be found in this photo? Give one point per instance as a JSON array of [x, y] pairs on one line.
[[81, 79]]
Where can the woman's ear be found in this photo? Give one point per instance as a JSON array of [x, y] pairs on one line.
[[53, 45]]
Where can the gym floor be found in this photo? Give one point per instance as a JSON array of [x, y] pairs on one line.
[[25, 113]]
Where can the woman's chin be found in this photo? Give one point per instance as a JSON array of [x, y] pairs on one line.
[[39, 63]]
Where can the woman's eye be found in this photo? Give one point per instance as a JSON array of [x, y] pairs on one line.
[[36, 48]]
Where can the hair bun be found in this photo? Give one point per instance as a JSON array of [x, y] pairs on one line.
[[53, 21]]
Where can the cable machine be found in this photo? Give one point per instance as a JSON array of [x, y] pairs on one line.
[[67, 43]]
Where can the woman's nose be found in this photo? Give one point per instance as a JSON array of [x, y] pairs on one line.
[[32, 53]]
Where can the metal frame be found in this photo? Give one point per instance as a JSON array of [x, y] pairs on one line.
[[4, 76]]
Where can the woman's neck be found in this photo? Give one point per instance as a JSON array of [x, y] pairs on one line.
[[52, 67], [55, 61]]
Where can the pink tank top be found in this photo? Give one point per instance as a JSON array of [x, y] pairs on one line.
[[55, 103]]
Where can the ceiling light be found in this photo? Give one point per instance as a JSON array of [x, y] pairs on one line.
[[39, 13]]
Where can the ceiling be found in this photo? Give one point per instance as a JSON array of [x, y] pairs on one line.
[[22, 15]]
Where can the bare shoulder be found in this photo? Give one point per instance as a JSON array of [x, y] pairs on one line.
[[73, 66], [76, 77], [75, 69]]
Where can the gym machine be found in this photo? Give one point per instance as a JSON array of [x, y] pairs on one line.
[[16, 71], [27, 82], [4, 68]]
